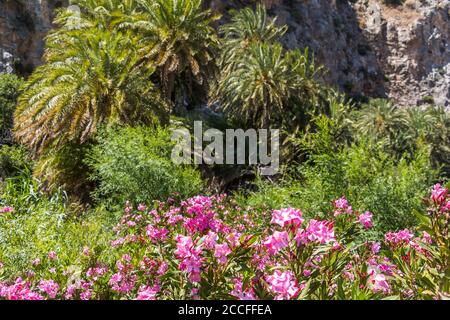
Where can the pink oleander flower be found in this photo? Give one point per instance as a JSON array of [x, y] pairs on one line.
[[210, 240], [52, 255], [6, 210], [86, 295], [320, 231], [378, 282], [20, 290], [283, 284], [148, 293], [86, 251], [70, 292], [221, 252], [36, 262], [122, 282], [156, 234], [117, 243], [198, 204], [426, 238], [438, 194], [162, 268], [375, 248], [286, 217], [276, 242], [398, 238], [386, 268], [50, 287], [141, 207], [184, 246], [342, 206], [366, 220], [194, 293], [190, 256], [234, 238], [96, 272], [203, 222], [446, 207]]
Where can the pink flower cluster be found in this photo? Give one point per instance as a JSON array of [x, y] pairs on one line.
[[148, 293], [124, 280], [190, 256], [20, 290], [441, 198], [6, 210], [50, 287], [242, 293], [283, 285], [342, 207], [378, 282], [286, 217], [221, 252], [198, 204], [276, 242], [317, 231], [400, 238], [244, 254], [438, 194], [366, 220]]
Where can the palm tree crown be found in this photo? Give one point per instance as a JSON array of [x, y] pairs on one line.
[[180, 42], [90, 78]]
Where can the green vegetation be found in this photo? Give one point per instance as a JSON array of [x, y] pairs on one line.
[[9, 91], [133, 164]]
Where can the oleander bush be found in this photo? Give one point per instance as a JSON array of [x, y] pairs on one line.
[[210, 248]]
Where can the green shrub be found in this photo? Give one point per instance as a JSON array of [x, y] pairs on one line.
[[13, 160], [9, 90], [368, 177], [134, 164], [65, 169]]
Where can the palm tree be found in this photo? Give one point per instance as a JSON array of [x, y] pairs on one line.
[[257, 91], [260, 82], [91, 77], [100, 14], [247, 27], [439, 138], [420, 121], [179, 40], [381, 119]]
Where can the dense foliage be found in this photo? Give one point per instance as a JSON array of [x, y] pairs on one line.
[[134, 164], [9, 91]]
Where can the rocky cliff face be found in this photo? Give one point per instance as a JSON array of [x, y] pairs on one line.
[[369, 49], [23, 26], [412, 45]]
